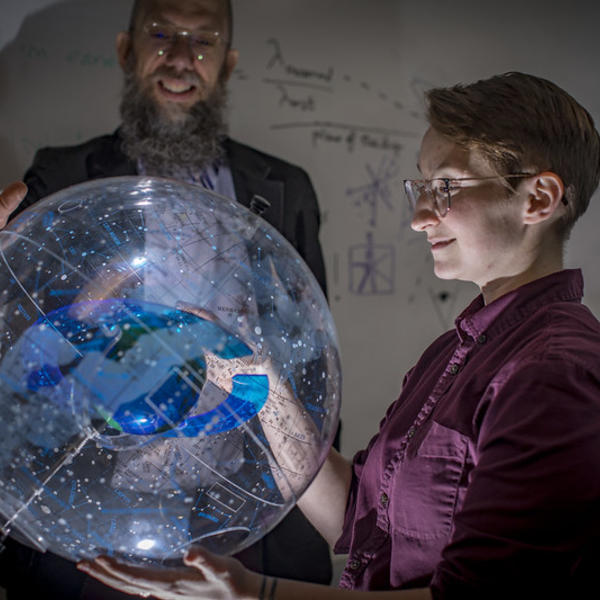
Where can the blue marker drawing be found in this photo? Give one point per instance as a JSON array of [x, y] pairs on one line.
[[379, 191], [372, 268]]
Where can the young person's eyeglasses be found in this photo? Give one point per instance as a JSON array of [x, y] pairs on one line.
[[439, 191]]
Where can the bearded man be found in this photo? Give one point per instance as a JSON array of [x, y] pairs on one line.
[[177, 59]]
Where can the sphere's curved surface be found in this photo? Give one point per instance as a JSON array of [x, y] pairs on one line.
[[169, 372]]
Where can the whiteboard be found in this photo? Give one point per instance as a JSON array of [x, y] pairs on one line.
[[334, 86]]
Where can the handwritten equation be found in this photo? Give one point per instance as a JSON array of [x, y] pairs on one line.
[[74, 56], [277, 58], [302, 89]]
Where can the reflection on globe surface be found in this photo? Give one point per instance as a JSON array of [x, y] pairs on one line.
[[169, 369]]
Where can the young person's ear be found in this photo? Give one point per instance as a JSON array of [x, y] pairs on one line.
[[545, 195]]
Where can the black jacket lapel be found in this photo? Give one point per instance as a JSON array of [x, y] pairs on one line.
[[250, 178], [108, 160]]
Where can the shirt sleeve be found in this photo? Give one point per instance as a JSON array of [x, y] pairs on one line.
[[532, 504], [342, 546]]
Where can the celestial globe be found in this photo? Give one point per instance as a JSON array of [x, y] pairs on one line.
[[169, 373]]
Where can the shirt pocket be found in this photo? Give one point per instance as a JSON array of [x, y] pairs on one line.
[[427, 484]]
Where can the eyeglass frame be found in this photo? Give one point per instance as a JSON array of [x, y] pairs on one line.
[[447, 191], [188, 34]]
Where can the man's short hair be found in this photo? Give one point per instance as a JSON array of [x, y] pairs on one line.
[[137, 12], [520, 122]]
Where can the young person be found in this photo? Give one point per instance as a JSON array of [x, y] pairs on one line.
[[484, 478]]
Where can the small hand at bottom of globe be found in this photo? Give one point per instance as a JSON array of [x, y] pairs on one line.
[[204, 575]]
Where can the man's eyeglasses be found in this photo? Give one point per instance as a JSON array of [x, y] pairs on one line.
[[440, 191], [163, 36]]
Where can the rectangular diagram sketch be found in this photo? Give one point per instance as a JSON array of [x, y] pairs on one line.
[[372, 268]]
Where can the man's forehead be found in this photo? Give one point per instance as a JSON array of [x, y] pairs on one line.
[[214, 10]]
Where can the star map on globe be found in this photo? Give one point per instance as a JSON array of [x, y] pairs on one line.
[[169, 372]]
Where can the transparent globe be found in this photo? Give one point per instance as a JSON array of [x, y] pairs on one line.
[[169, 369]]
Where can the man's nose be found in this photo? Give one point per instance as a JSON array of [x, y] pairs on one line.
[[180, 53]]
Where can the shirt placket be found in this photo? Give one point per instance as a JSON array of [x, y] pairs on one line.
[[448, 377], [358, 561]]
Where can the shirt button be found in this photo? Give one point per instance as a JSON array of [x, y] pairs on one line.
[[482, 339], [354, 565], [454, 369], [384, 499]]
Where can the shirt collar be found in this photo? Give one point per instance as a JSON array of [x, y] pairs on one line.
[[479, 318]]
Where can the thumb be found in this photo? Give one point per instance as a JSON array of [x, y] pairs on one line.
[[10, 198]]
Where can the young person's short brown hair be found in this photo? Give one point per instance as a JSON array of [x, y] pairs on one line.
[[520, 123]]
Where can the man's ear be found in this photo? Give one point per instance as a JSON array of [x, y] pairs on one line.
[[123, 48], [231, 61], [545, 194]]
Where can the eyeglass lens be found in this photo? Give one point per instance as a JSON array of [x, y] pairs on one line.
[[437, 192], [163, 36]]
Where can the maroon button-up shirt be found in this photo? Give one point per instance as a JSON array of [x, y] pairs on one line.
[[485, 473]]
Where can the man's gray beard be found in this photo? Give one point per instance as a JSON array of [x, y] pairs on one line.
[[168, 147]]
